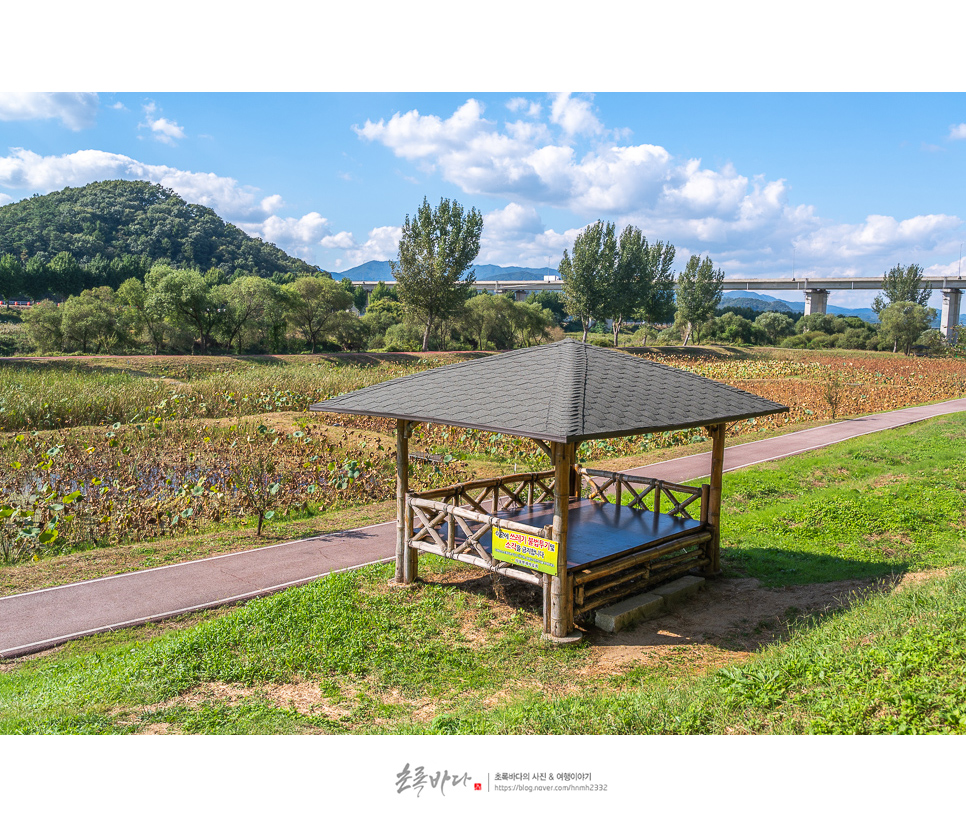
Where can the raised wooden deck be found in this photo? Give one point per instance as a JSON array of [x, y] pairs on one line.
[[614, 549], [600, 532]]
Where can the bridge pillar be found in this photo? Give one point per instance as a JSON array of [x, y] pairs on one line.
[[952, 299], [520, 295], [816, 301]]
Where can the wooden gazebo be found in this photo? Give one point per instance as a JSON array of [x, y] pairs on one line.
[[586, 536]]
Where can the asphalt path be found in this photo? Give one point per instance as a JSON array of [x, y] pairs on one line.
[[38, 620]]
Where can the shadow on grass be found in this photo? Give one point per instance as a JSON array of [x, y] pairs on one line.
[[775, 594], [775, 567]]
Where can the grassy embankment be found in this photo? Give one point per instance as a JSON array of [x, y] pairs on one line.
[[350, 655]]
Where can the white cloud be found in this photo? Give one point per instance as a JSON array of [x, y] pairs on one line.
[[164, 130], [522, 105], [75, 110], [515, 235], [5, 198], [571, 161], [574, 115], [272, 204], [296, 235], [23, 169], [382, 245], [957, 131], [878, 235], [343, 240]]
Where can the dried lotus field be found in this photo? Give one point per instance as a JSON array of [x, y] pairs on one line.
[[104, 452]]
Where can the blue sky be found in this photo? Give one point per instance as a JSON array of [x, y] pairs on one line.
[[846, 184], [827, 183]]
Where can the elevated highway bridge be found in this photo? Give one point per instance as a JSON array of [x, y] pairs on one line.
[[816, 291]]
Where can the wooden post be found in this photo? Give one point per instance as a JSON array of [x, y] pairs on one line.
[[561, 601], [717, 433], [405, 556]]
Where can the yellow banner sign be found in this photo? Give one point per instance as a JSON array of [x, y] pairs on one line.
[[525, 550]]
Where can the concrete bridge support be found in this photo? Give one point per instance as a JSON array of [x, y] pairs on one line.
[[816, 301], [949, 321]]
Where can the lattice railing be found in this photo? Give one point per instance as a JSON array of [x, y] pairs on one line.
[[490, 495], [649, 494], [456, 533]]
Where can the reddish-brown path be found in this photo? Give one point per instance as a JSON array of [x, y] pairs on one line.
[[41, 619]]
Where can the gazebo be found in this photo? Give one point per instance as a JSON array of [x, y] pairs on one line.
[[588, 537]]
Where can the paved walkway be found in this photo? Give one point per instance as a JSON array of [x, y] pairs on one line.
[[38, 620]]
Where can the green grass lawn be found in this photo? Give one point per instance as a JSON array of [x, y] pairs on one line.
[[350, 655]]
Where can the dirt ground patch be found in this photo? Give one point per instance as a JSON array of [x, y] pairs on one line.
[[727, 621]]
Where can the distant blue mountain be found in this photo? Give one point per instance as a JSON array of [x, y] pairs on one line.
[[735, 297], [379, 271]]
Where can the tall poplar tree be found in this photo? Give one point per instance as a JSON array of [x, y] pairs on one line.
[[436, 249], [698, 293], [901, 284], [588, 275]]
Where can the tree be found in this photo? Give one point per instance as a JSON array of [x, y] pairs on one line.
[[658, 303], [901, 284], [531, 323], [587, 275], [11, 276], [94, 318], [642, 283], [903, 322], [380, 315], [436, 250], [382, 290], [312, 304], [191, 300], [698, 293], [242, 303], [489, 318], [42, 322], [553, 302], [66, 277], [360, 297], [147, 308], [775, 325]]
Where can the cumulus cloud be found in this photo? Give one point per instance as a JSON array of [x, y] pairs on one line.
[[74, 110], [522, 105], [516, 235], [162, 129], [27, 170], [878, 235], [574, 115], [296, 235], [564, 157], [5, 198], [381, 245], [957, 131]]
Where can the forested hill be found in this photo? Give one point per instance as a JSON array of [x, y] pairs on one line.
[[121, 218]]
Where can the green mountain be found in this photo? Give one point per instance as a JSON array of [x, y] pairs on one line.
[[125, 219]]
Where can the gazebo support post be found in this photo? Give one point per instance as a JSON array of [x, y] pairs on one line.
[[561, 597], [717, 433], [405, 556]]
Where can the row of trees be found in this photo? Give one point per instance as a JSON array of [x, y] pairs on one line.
[[617, 279], [183, 309]]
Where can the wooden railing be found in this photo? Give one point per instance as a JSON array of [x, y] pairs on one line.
[[490, 495], [427, 519], [451, 521], [647, 493]]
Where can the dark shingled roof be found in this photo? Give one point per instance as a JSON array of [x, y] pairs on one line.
[[565, 392]]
